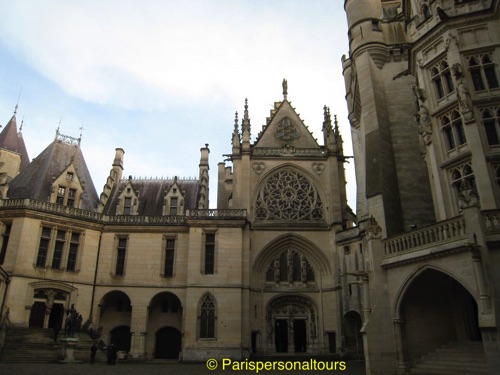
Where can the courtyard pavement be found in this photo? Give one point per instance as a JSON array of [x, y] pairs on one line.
[[157, 368]]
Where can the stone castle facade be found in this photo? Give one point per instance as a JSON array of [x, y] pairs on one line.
[[283, 265], [423, 93], [164, 275]]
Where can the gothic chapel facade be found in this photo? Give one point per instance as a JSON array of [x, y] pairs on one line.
[[164, 275]]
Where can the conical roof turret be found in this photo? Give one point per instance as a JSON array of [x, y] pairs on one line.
[[36, 180], [12, 140]]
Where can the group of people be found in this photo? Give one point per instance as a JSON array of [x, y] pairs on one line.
[[111, 352], [73, 323]]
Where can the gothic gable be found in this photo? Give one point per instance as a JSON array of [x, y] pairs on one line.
[[285, 129], [67, 188]]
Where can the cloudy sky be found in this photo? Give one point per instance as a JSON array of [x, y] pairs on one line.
[[161, 78]]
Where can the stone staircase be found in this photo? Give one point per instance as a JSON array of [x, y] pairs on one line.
[[36, 345], [464, 358]]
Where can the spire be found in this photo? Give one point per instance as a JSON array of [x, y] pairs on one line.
[[338, 138], [11, 140], [328, 134], [245, 126], [203, 188], [81, 133], [236, 136]]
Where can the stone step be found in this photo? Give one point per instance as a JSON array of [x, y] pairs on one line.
[[453, 358], [36, 345]]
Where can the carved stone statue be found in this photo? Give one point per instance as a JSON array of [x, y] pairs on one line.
[[277, 271], [71, 323], [285, 88], [463, 96], [424, 124]]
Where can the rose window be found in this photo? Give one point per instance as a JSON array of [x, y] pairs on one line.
[[288, 195]]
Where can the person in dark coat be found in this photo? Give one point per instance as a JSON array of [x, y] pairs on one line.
[[93, 351], [57, 329], [112, 354]]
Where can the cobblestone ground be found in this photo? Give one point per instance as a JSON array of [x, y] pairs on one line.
[[152, 368]]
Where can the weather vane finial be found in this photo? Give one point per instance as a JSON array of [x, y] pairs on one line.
[[18, 97]]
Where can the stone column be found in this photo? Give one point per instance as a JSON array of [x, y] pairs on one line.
[[138, 331], [399, 336], [485, 306]]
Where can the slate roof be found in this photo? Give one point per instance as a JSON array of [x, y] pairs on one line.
[[151, 195], [36, 179], [12, 140]]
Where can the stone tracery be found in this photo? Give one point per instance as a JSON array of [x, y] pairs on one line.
[[288, 195]]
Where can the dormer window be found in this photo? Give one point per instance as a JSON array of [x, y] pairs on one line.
[[127, 206], [61, 193], [173, 206], [173, 201], [67, 188], [66, 196], [71, 197]]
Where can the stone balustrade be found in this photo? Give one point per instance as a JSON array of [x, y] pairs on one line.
[[444, 231], [121, 219]]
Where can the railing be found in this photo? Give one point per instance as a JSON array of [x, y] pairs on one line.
[[217, 213], [136, 219], [274, 151], [444, 231], [121, 219]]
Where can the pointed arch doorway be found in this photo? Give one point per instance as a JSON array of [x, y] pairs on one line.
[[292, 324], [435, 310]]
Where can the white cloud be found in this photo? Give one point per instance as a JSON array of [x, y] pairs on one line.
[[197, 55]]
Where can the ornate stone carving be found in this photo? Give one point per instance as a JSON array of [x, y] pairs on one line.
[[288, 195], [318, 168], [286, 130], [258, 167]]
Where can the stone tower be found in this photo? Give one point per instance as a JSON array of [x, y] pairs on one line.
[[423, 94], [391, 176]]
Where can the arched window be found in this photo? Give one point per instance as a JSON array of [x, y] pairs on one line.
[[426, 12], [497, 175], [207, 317], [491, 122], [441, 78], [482, 71], [462, 177], [290, 266], [453, 130]]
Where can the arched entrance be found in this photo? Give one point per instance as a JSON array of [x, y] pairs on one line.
[[167, 343], [165, 326], [291, 324], [353, 337], [115, 313], [436, 310], [48, 308], [120, 337]]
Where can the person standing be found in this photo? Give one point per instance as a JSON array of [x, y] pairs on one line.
[[93, 351], [57, 329]]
